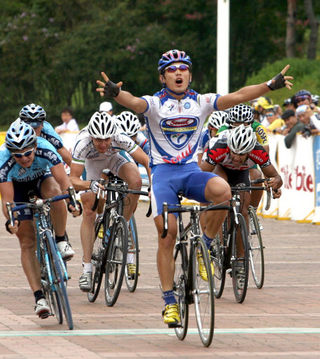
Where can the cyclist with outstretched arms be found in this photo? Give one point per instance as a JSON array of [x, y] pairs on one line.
[[175, 117], [30, 163], [100, 146]]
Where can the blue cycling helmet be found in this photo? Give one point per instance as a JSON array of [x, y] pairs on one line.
[[20, 135], [172, 56], [32, 113], [301, 95]]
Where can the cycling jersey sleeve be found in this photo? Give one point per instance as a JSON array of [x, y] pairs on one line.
[[216, 152], [260, 156], [49, 134]]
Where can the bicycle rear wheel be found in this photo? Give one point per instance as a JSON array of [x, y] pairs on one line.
[[60, 278], [116, 260], [98, 260], [133, 256], [240, 262], [203, 292], [256, 256], [180, 288]]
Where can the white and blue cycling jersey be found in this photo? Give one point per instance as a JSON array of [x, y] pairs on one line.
[[46, 157], [174, 126], [143, 142], [51, 135], [204, 140]]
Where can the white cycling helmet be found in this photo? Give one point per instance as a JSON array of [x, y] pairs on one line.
[[217, 119], [128, 123], [242, 140], [20, 135], [102, 125], [240, 114], [32, 113]]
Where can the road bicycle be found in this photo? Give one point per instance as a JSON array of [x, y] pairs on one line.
[[234, 249], [110, 249], [53, 270], [189, 286]]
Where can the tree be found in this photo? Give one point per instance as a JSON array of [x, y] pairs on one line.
[[291, 33], [313, 39]]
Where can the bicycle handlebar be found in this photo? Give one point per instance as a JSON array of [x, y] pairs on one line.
[[240, 188], [39, 203], [189, 208]]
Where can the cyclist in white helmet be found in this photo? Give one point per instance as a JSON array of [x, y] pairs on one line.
[[30, 163], [99, 146], [129, 124], [175, 116], [215, 121], [231, 158]]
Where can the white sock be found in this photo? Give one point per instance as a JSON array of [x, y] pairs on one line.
[[130, 258], [87, 267]]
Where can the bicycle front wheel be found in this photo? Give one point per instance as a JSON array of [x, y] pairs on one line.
[[256, 249], [240, 259], [49, 290], [132, 267], [203, 291], [217, 257], [98, 259], [180, 288], [116, 260], [60, 279]]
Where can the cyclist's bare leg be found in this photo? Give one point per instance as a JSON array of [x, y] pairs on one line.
[[29, 261], [50, 188], [87, 225], [166, 245], [255, 195], [129, 173], [217, 191]]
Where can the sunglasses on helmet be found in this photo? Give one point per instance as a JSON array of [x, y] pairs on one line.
[[26, 154], [174, 68]]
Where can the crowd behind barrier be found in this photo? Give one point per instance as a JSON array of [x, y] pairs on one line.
[[299, 167]]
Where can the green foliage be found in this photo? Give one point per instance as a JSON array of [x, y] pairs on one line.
[[52, 52], [306, 75]]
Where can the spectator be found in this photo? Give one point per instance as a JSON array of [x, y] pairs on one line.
[[261, 104], [310, 120], [106, 107], [272, 120], [69, 123], [302, 97], [288, 104], [292, 126], [314, 104]]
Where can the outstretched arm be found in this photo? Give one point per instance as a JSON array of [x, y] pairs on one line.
[[251, 92], [123, 98]]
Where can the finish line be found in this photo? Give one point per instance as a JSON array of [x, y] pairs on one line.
[[152, 331]]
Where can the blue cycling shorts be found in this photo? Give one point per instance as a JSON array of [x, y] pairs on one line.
[[170, 179]]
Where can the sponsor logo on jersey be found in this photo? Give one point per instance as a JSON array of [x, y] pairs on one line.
[[178, 131], [187, 105]]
